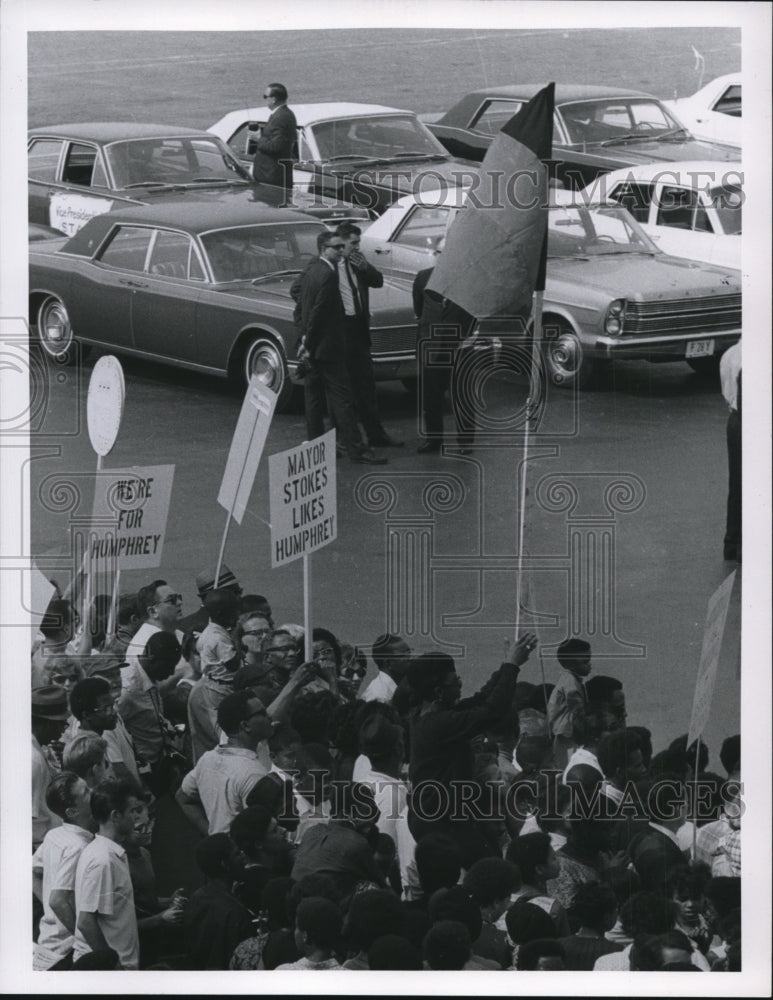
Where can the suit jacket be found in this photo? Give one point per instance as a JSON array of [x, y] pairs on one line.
[[365, 279], [433, 310], [319, 311], [275, 148]]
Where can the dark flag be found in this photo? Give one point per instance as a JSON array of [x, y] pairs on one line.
[[495, 251]]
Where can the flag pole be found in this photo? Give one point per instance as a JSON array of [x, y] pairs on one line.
[[307, 638]]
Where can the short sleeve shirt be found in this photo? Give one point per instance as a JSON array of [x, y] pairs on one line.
[[221, 780], [103, 886], [57, 859]]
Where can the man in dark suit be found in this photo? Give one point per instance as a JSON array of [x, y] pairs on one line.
[[443, 326], [274, 148], [355, 278], [319, 318]]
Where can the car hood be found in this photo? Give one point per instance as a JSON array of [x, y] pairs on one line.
[[401, 174], [637, 277], [632, 153], [315, 205]]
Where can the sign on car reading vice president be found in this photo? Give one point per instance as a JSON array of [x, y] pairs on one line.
[[302, 483]]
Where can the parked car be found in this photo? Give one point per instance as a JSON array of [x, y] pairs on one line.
[[595, 129], [200, 285], [78, 171], [689, 209], [364, 153], [714, 111], [609, 293]]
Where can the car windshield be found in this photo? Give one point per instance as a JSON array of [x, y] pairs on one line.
[[187, 160], [249, 252], [380, 137], [576, 231], [728, 202], [616, 119]]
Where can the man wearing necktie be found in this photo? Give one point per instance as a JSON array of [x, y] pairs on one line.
[[355, 277], [275, 147]]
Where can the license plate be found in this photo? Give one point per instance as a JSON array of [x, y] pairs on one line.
[[699, 349]]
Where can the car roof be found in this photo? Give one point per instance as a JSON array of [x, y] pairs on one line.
[[112, 131], [564, 91], [203, 216], [688, 171], [308, 114]]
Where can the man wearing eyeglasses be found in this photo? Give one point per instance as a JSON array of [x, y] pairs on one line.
[[162, 607], [274, 148], [319, 318]]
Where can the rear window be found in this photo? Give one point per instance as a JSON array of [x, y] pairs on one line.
[[43, 159]]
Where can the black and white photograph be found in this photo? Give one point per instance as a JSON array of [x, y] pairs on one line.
[[373, 481]]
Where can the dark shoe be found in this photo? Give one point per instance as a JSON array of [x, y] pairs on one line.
[[428, 446], [385, 441], [367, 458], [732, 553]]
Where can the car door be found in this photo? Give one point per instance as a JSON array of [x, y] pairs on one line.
[[682, 224], [102, 293], [43, 158], [166, 299], [81, 189], [410, 247]]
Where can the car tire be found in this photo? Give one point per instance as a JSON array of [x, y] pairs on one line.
[[263, 357], [565, 361], [705, 367], [55, 330]]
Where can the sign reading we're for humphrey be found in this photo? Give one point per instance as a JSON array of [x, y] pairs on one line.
[[129, 517], [302, 484]]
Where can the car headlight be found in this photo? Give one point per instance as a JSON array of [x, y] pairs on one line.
[[613, 323]]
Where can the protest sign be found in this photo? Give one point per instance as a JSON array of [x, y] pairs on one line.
[[104, 404], [707, 670], [302, 485], [129, 517], [246, 448], [41, 593]]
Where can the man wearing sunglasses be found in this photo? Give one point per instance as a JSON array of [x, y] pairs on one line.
[[274, 148], [319, 318], [162, 608]]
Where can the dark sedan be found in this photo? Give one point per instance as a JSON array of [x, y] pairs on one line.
[[203, 286], [595, 129], [78, 171]]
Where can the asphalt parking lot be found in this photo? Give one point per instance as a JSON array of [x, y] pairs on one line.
[[662, 425]]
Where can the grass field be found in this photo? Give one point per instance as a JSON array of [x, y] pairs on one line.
[[193, 78]]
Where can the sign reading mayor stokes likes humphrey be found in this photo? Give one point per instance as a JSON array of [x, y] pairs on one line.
[[302, 483]]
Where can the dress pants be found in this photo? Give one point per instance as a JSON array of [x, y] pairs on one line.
[[359, 364], [329, 380], [434, 381]]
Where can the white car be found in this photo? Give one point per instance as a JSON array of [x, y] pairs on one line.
[[714, 111], [691, 209], [367, 154], [609, 291]]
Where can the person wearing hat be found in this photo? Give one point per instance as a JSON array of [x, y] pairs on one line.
[[383, 743], [205, 581], [49, 719]]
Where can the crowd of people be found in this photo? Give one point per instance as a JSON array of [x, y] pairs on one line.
[[340, 821]]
